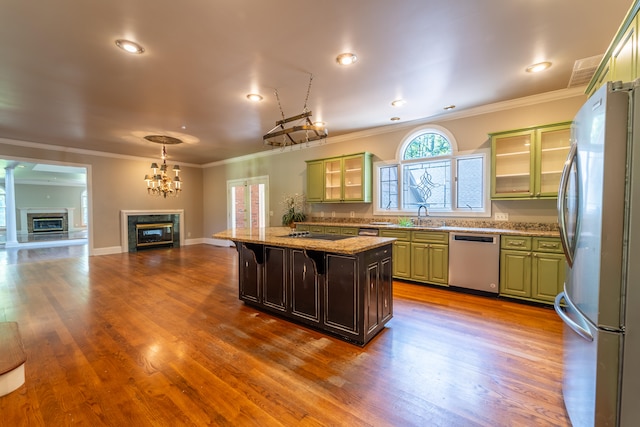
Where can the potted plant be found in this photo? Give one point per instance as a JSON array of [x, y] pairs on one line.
[[293, 209]]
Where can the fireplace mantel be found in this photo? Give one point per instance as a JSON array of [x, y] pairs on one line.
[[124, 221]]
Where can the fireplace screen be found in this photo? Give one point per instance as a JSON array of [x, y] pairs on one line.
[[47, 224], [154, 234]]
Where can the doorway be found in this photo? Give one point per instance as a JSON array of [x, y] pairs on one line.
[[247, 202], [43, 191]]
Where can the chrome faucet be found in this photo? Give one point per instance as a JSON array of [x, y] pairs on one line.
[[426, 213]]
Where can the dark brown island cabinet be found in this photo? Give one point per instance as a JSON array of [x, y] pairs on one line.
[[346, 295]]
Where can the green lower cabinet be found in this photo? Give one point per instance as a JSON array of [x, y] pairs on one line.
[[547, 276], [430, 263], [515, 273], [402, 259], [439, 264], [536, 272], [331, 230], [349, 231]]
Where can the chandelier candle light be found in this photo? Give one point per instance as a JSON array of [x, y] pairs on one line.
[[159, 183]]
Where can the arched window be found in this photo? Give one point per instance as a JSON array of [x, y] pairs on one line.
[[429, 171]]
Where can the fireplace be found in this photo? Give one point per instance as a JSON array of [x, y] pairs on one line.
[[158, 234], [152, 229], [39, 220], [47, 224]]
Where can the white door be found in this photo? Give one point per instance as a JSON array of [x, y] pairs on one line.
[[247, 202]]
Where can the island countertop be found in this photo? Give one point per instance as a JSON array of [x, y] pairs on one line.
[[277, 236]]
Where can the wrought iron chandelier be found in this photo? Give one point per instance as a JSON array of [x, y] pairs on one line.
[[160, 183], [307, 131]]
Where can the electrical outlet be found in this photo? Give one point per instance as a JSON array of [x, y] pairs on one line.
[[321, 214], [501, 216], [352, 214], [333, 214], [270, 213]]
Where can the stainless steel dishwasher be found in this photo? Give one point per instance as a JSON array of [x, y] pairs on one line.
[[474, 261]]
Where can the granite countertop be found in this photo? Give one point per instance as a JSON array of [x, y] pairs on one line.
[[479, 227], [277, 236]]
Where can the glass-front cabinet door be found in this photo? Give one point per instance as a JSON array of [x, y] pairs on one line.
[[513, 165], [353, 178], [333, 180], [554, 145], [527, 163]]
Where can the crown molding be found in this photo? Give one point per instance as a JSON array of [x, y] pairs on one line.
[[41, 146]]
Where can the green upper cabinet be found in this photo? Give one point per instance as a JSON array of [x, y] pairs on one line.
[[340, 179], [527, 163], [315, 178], [620, 61]]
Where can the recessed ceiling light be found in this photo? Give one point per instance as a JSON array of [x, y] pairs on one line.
[[254, 97], [540, 66], [129, 46], [346, 58], [449, 107], [398, 103], [394, 119]]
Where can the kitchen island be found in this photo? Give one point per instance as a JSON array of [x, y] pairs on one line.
[[339, 285]]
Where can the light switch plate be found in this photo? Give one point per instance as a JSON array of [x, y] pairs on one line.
[[501, 216]]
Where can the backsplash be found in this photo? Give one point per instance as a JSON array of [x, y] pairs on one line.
[[438, 222]]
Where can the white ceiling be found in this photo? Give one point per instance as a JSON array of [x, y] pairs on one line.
[[64, 82]]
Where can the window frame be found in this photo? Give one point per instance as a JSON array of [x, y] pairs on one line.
[[399, 162]]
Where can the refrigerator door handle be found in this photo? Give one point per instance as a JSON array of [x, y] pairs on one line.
[[562, 191], [578, 329]]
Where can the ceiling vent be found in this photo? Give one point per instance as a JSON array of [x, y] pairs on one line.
[[583, 70]]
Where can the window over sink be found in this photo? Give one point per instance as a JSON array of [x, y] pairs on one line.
[[429, 170]]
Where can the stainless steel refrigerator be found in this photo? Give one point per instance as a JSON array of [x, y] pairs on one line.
[[599, 216]]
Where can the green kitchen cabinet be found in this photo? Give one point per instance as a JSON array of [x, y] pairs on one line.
[[344, 179], [547, 276], [331, 229], [349, 231], [620, 61], [527, 163], [315, 179], [531, 268], [401, 252], [515, 273], [430, 257]]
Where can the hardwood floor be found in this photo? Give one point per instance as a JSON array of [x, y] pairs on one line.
[[159, 338]]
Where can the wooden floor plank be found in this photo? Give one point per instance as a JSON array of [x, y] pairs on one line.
[[159, 338]]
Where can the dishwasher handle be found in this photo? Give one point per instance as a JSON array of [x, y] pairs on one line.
[[470, 238]]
